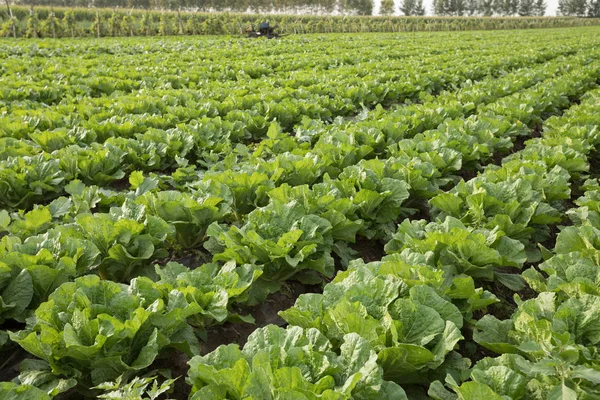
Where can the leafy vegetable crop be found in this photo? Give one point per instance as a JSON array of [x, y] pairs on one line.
[[348, 219]]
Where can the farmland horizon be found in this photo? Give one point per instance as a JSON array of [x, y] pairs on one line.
[[551, 8]]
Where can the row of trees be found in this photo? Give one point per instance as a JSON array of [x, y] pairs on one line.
[[348, 7], [523, 8], [580, 8], [407, 7]]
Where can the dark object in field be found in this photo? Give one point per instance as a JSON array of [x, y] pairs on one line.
[[264, 30]]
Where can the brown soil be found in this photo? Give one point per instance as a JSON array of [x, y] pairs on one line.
[[264, 314], [120, 185], [594, 160], [422, 211], [467, 173], [368, 250], [468, 348]]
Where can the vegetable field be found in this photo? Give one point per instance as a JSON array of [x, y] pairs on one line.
[[368, 216]]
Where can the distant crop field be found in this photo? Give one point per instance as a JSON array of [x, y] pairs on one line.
[[68, 22], [367, 216]]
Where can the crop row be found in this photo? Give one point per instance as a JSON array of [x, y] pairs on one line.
[[398, 321], [247, 108], [235, 186], [96, 329], [280, 70], [247, 190], [38, 171], [549, 346]]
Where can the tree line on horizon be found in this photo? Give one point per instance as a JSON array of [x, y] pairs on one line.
[[579, 8]]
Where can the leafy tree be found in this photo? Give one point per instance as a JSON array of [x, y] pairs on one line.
[[562, 7], [366, 7], [419, 9], [360, 7], [439, 7], [471, 7], [594, 9], [526, 8], [387, 7], [485, 7], [540, 8], [449, 7], [506, 7], [457, 7], [407, 7], [580, 7], [512, 7], [572, 7]]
